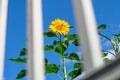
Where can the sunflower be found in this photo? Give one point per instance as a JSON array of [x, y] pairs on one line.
[[59, 26]]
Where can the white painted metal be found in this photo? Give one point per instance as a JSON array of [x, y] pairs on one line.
[[35, 40], [112, 74], [3, 24], [87, 32], [88, 35], [110, 71]]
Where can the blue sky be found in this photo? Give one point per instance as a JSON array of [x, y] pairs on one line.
[[106, 11]]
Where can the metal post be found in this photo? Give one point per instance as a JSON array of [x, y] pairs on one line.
[[3, 24], [35, 40], [87, 31]]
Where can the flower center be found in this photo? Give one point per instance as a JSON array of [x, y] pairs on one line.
[[60, 27]]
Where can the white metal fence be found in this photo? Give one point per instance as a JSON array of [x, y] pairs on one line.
[[3, 24], [86, 24], [35, 40]]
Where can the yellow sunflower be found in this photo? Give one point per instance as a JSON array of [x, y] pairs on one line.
[[59, 26]]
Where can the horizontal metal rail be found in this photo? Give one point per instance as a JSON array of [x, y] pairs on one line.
[[108, 72]]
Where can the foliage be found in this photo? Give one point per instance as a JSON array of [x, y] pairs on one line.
[[21, 74], [114, 42], [59, 46]]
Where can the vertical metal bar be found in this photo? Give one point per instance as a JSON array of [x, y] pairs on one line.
[[87, 31], [3, 24], [35, 40]]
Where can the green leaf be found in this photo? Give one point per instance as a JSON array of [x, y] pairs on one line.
[[75, 42], [61, 68], [66, 55], [106, 60], [114, 45], [117, 38], [48, 48], [104, 54], [65, 44], [103, 26], [52, 68], [71, 26], [74, 56], [46, 61], [49, 34], [73, 74], [59, 50], [55, 42], [77, 65], [21, 74], [72, 37], [116, 34], [23, 52], [18, 60], [61, 46]]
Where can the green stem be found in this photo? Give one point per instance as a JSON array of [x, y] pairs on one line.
[[61, 38], [105, 36], [63, 61], [64, 68], [110, 53], [109, 40]]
